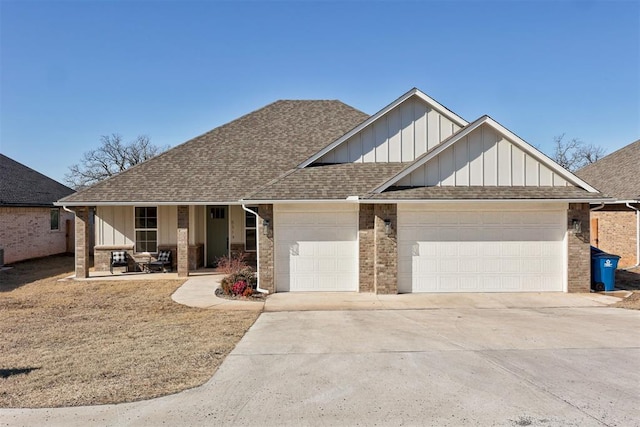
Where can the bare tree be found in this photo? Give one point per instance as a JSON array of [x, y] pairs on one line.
[[574, 154], [110, 158]]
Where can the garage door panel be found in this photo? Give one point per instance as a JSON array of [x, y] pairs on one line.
[[480, 251], [316, 250]]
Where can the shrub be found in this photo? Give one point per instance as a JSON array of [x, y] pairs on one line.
[[232, 263], [239, 282], [239, 287]]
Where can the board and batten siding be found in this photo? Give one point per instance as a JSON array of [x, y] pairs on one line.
[[401, 135], [483, 158], [115, 225]]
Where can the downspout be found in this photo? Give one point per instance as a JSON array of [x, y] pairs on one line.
[[258, 288], [637, 236], [597, 208]]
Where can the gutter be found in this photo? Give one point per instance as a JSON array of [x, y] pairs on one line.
[[637, 235], [258, 288]]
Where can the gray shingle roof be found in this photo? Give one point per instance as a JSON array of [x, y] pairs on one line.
[[23, 186], [617, 174], [486, 193], [336, 181], [232, 160]]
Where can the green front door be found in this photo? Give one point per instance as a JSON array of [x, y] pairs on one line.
[[217, 233]]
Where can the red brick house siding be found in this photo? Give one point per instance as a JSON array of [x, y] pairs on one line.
[[579, 252], [25, 232], [616, 233]]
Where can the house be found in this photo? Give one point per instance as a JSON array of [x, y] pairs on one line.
[[411, 199], [615, 225], [30, 225]]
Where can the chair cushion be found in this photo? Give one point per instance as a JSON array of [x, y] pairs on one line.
[[119, 256], [164, 256]]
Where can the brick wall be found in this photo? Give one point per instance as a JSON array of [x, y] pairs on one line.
[[26, 233], [82, 240], [616, 234], [183, 241], [579, 252], [366, 243], [266, 248], [386, 249]]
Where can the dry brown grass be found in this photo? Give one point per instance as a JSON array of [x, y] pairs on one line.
[[629, 280], [82, 343]]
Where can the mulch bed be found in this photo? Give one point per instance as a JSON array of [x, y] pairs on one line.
[[255, 297]]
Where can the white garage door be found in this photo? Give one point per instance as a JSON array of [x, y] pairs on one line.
[[316, 247], [480, 251]]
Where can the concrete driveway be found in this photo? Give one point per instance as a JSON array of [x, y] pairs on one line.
[[540, 366]]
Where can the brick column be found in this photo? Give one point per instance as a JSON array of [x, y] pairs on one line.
[[82, 242], [579, 252], [266, 273], [183, 241], [386, 249], [366, 244]]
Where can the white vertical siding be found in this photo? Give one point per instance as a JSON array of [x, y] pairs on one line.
[[114, 225], [236, 224], [401, 135], [483, 158], [167, 225]]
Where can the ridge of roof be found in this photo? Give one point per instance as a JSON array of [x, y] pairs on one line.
[[21, 185]]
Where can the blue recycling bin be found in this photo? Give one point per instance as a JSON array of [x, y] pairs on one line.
[[603, 270]]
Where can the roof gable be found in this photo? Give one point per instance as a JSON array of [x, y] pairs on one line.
[[484, 153], [402, 131], [22, 186], [617, 174]]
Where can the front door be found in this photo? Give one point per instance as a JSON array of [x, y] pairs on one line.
[[217, 233]]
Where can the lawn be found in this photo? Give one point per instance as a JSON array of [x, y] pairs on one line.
[[629, 280], [68, 343]]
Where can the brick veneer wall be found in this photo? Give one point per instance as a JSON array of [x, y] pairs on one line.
[[366, 242], [183, 241], [579, 252], [25, 232], [617, 234], [82, 242], [386, 249], [266, 248]]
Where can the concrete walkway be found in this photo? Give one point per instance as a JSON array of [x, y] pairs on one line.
[[199, 291]]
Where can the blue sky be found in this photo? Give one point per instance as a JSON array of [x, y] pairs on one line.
[[72, 71]]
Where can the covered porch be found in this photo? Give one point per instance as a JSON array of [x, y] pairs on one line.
[[196, 235]]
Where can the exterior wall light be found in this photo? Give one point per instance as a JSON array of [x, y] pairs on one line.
[[265, 226], [387, 226], [576, 225]]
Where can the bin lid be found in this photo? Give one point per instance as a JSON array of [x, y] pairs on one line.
[[605, 255]]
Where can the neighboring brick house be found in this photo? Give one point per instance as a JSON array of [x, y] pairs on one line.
[[30, 225], [616, 225], [411, 199]]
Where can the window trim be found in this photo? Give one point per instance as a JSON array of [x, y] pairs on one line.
[[136, 229], [255, 209], [51, 211]]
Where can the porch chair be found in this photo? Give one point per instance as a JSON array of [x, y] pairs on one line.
[[163, 260], [119, 259]]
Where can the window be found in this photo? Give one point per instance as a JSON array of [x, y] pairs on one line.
[[146, 225], [55, 218], [250, 231]]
